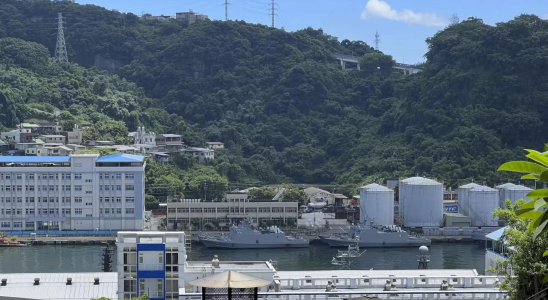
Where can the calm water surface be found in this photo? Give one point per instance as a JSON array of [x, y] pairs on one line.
[[317, 257]]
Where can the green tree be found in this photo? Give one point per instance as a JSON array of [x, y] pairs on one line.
[[294, 193], [262, 193], [377, 63], [151, 202], [526, 258]]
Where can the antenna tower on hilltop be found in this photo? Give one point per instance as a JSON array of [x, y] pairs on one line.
[[226, 10], [377, 40], [60, 48], [273, 14]]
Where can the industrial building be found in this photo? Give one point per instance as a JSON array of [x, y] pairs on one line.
[[421, 202], [513, 192], [236, 209], [377, 204], [77, 192]]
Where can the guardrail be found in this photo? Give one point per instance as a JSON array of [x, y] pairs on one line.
[[483, 282], [63, 233], [472, 294]]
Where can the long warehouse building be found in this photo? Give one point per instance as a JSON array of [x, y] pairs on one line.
[[77, 192]]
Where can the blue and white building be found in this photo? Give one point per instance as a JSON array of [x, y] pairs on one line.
[[151, 263], [77, 192]]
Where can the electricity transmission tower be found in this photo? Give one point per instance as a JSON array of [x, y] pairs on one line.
[[273, 14], [60, 48], [377, 40]]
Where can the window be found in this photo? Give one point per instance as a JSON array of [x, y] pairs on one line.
[[251, 209], [107, 199], [19, 211], [52, 211], [8, 176], [78, 188], [19, 177], [130, 199], [277, 209], [171, 210], [19, 199], [44, 188], [119, 211], [5, 224], [77, 211], [222, 209], [52, 199], [130, 187], [107, 211], [30, 199], [44, 176], [130, 210], [29, 211], [107, 187], [8, 188], [89, 192], [264, 209], [182, 209], [29, 188], [209, 210], [31, 177], [29, 224], [52, 188], [130, 176], [77, 176], [17, 224], [89, 215], [19, 188], [196, 210], [118, 187], [118, 199], [118, 176], [77, 199], [88, 180], [51, 176], [8, 199], [89, 204]]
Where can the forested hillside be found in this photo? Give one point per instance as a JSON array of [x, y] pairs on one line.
[[283, 107]]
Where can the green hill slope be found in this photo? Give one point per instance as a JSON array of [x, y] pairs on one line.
[[287, 112]]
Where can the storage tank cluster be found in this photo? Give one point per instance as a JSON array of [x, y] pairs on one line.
[[421, 202], [377, 204], [513, 192], [478, 201]]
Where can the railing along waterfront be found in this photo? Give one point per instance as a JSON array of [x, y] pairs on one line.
[[467, 294], [365, 282]]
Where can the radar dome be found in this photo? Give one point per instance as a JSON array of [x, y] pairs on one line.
[[423, 250]]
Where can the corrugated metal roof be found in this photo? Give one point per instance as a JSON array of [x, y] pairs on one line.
[[420, 181], [482, 188], [40, 159], [505, 186], [469, 185], [519, 188], [121, 158], [53, 285], [375, 188]]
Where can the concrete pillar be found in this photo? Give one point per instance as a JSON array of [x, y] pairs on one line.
[[353, 283], [467, 282], [409, 283], [296, 284], [359, 67], [343, 65]]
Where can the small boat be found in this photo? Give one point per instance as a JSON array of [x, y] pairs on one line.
[[6, 243]]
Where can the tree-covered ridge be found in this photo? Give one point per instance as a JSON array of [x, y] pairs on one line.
[[287, 112]]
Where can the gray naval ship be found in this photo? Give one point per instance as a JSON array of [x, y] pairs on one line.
[[245, 237], [376, 237]]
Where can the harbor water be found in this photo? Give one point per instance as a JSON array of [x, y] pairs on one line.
[[65, 258]]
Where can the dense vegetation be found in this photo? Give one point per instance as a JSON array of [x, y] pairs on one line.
[[283, 107]]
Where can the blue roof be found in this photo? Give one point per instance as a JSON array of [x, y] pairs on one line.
[[121, 158], [496, 235], [34, 159]]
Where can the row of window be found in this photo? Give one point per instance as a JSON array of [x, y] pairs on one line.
[[233, 210], [64, 211], [67, 188], [16, 224], [64, 176], [63, 199]]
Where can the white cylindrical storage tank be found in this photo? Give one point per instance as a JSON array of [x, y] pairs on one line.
[[502, 192], [516, 193], [377, 204], [483, 201], [421, 202], [463, 197]]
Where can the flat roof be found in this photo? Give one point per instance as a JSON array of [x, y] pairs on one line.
[[238, 265], [170, 135], [121, 158], [18, 159], [53, 285], [52, 135]]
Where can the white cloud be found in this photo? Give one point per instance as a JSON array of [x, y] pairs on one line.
[[378, 9]]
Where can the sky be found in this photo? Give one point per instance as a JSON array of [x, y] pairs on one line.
[[403, 25]]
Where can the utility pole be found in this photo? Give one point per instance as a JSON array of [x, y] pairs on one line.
[[377, 40], [60, 48], [273, 13], [226, 10]]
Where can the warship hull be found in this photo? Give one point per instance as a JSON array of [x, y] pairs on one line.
[[211, 243], [342, 242]]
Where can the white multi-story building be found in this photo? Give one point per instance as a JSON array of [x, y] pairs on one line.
[[151, 263], [77, 192], [236, 209]]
